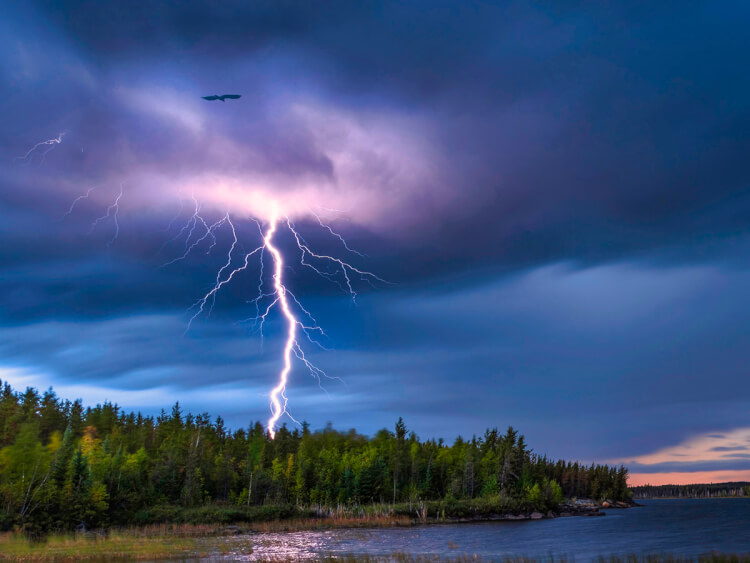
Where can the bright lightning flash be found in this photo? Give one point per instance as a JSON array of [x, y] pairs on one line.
[[328, 267], [291, 340]]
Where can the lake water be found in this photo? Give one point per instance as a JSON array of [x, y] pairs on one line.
[[683, 527]]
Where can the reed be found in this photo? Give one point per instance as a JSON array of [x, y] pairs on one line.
[[332, 522], [115, 545]]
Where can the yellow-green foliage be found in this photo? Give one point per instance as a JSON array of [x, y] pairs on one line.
[[63, 467]]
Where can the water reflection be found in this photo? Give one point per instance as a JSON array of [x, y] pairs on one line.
[[297, 546], [684, 527]]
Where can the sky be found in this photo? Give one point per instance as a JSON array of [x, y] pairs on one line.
[[556, 196]]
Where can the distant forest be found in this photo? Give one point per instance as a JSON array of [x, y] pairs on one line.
[[733, 489], [64, 466]]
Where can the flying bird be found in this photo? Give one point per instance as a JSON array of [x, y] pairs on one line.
[[222, 98]]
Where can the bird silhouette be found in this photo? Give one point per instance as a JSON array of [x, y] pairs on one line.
[[222, 97]]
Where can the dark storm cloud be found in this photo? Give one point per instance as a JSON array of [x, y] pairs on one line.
[[574, 134], [571, 246]]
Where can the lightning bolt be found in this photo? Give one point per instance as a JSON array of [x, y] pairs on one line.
[[277, 393], [49, 143], [297, 319]]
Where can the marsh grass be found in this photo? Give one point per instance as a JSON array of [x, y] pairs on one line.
[[332, 522], [148, 542], [161, 541], [79, 547]]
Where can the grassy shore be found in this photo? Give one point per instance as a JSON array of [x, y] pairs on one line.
[[451, 509], [164, 541], [116, 544]]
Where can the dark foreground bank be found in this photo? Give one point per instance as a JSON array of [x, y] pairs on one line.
[[703, 530], [291, 517], [662, 530]]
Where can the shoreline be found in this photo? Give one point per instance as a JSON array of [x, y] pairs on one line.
[[169, 541], [568, 510], [728, 497], [193, 542], [287, 518]]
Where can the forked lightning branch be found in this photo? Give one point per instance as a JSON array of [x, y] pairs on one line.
[[273, 293]]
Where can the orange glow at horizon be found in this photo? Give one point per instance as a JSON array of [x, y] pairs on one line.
[[687, 478], [722, 446]]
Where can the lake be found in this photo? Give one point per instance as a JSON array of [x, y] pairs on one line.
[[683, 527]]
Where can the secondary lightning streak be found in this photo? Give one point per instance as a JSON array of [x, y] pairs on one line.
[[76, 200], [50, 143], [190, 224], [177, 216], [195, 218], [309, 316], [201, 303], [209, 233], [338, 236], [112, 211], [343, 266]]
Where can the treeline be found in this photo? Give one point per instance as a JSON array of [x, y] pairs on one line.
[[733, 489], [63, 466]]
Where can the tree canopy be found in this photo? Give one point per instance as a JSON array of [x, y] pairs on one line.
[[64, 466]]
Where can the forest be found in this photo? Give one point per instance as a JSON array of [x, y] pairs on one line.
[[63, 467], [708, 490]]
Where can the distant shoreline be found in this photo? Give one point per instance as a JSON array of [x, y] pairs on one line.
[[729, 489], [695, 498]]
